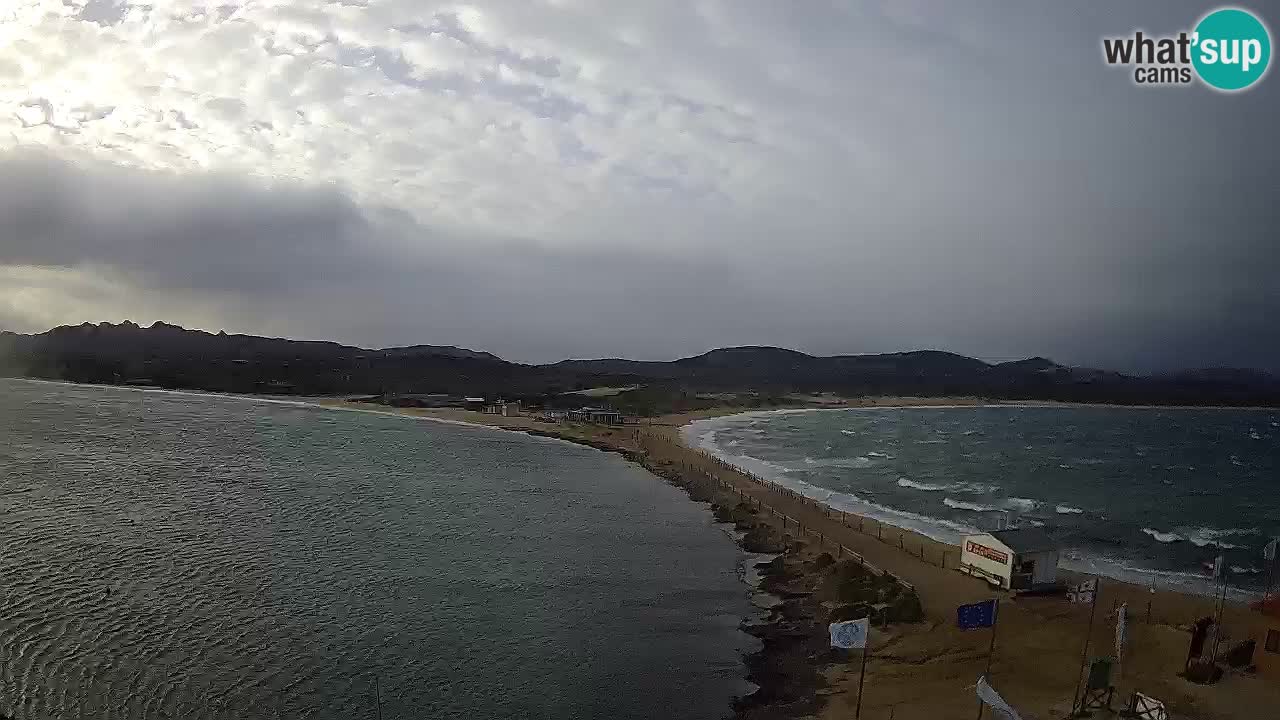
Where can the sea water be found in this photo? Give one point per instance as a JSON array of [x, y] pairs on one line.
[[196, 556], [1146, 495]]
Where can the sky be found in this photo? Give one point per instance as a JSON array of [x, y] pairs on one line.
[[547, 179]]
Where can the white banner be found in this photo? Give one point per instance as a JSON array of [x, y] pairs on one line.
[[850, 634], [1269, 552], [990, 697]]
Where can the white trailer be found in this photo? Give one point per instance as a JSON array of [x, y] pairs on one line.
[[1011, 559]]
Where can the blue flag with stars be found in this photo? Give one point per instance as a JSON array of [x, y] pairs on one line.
[[977, 615]]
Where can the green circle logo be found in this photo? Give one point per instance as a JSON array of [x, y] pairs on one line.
[[1232, 49]]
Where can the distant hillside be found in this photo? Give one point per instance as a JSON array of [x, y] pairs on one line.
[[170, 356]]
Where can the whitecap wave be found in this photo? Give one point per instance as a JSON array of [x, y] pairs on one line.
[[962, 505], [1068, 510], [875, 454], [854, 463], [1204, 537], [1021, 504], [960, 487], [849, 432], [1163, 537], [926, 487], [930, 442], [1238, 570]]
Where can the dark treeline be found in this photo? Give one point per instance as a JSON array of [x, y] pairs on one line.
[[172, 357]]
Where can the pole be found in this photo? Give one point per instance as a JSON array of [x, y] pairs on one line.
[[1217, 635], [1271, 578], [1084, 654], [991, 651], [377, 689], [862, 676]]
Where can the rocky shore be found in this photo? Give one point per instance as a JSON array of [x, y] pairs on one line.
[[830, 565]]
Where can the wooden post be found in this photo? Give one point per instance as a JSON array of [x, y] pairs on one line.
[[862, 676], [1084, 655]]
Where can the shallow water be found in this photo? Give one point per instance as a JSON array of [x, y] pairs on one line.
[[195, 556], [1145, 495]]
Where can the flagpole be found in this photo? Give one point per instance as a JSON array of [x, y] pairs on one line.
[[862, 676], [1084, 654], [995, 621], [1271, 573], [1217, 635]]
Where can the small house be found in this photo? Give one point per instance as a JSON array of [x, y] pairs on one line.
[[505, 409], [1015, 559], [598, 416]]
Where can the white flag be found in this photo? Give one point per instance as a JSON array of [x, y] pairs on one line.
[[1148, 707], [1217, 567], [1083, 593], [1121, 629], [989, 696], [850, 634], [1269, 552]]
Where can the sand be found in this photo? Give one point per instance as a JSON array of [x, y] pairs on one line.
[[927, 670]]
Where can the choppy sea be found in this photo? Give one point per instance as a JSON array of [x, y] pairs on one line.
[[1143, 495]]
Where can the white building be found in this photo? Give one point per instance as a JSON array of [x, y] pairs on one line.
[[1012, 559]]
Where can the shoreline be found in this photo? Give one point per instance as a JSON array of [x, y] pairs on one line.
[[923, 670], [926, 669], [950, 531]]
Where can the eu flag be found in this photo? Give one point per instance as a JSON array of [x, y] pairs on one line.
[[977, 615]]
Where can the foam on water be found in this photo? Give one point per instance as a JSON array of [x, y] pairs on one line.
[[1085, 480], [962, 505], [1163, 537]]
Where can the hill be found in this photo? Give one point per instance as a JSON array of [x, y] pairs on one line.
[[171, 356]]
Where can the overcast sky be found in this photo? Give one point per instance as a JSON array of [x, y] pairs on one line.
[[546, 179]]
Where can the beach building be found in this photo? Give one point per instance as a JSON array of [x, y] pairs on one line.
[[473, 403], [1266, 637], [503, 408], [598, 416], [1017, 559]]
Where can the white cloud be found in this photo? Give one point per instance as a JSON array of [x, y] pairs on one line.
[[819, 156]]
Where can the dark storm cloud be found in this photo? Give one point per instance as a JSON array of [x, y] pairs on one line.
[[972, 179]]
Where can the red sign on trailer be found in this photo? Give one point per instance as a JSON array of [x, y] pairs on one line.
[[986, 552]]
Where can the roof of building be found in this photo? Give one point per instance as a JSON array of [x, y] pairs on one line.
[[1025, 540]]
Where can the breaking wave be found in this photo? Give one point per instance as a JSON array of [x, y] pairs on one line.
[[1163, 537], [962, 505]]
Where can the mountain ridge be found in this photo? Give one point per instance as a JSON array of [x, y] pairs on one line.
[[173, 356]]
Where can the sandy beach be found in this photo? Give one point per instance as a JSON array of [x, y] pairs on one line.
[[922, 670]]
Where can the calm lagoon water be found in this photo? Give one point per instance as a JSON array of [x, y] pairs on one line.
[[195, 556]]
